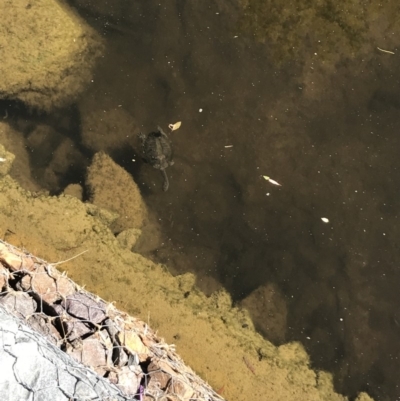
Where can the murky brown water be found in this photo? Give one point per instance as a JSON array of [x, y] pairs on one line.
[[325, 128]]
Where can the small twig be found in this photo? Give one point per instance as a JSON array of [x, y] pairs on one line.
[[67, 260], [385, 51]]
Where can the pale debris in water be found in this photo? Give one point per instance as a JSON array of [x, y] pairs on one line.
[[175, 126], [385, 51], [325, 220], [271, 180], [2, 159], [228, 146]]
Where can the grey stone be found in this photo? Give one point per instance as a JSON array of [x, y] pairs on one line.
[[83, 307], [40, 323], [33, 368], [19, 303]]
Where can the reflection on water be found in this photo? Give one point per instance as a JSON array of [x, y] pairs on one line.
[[326, 130]]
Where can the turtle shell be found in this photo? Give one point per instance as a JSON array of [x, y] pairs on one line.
[[157, 149]]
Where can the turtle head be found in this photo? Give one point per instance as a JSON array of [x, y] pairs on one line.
[[142, 136]]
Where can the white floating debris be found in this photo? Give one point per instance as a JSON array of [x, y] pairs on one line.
[[325, 220], [175, 126], [385, 51], [200, 110], [2, 159], [271, 180], [228, 146]]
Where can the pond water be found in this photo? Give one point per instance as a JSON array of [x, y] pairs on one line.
[[318, 114]]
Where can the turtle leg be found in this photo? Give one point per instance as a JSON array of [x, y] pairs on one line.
[[166, 182]]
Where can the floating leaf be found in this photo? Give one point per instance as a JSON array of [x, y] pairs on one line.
[[175, 126]]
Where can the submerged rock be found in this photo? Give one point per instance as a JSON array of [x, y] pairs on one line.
[[47, 53], [111, 187], [268, 310]]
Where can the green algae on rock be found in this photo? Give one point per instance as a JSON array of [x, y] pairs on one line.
[[111, 187], [47, 53]]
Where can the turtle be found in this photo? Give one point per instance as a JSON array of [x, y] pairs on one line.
[[157, 149]]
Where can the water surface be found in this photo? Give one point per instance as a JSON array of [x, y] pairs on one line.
[[317, 113]]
